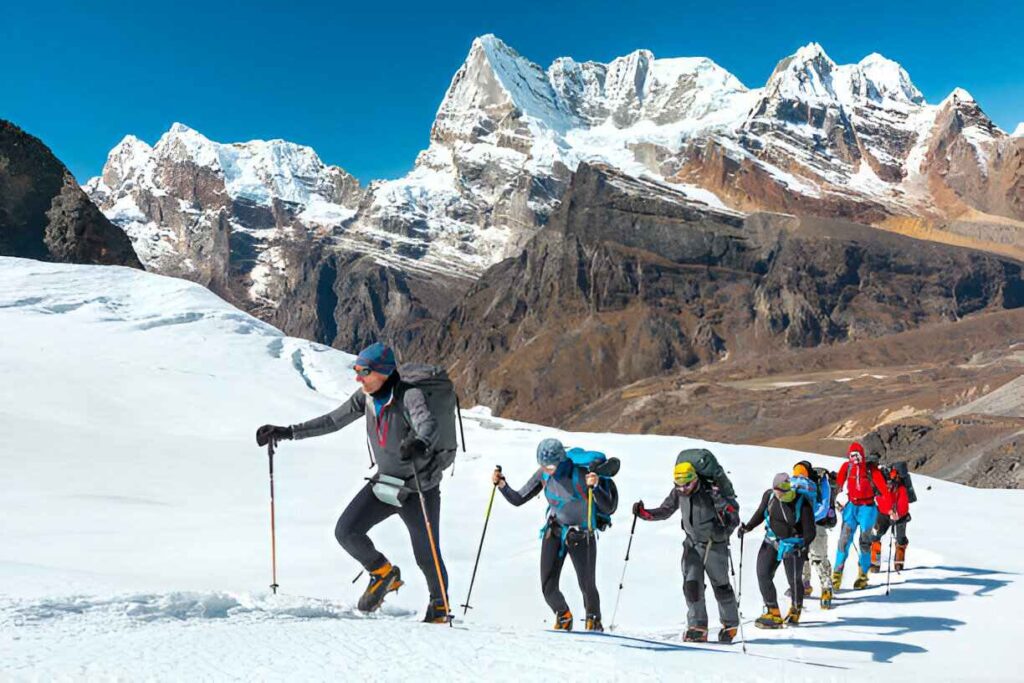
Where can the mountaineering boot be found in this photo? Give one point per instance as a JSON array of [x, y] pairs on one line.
[[876, 557], [563, 621], [383, 580], [793, 616], [826, 599], [771, 618], [837, 578], [862, 580], [594, 623], [696, 634], [901, 555], [436, 613], [727, 634]]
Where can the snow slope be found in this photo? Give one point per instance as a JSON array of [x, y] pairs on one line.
[[135, 542]]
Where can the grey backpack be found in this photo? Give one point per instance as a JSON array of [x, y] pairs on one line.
[[443, 403]]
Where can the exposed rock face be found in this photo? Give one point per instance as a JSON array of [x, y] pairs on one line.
[[978, 450], [630, 280], [349, 300], [45, 215]]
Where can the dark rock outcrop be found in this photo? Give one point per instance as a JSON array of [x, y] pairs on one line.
[[45, 215], [349, 300]]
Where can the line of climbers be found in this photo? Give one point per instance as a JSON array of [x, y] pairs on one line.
[[411, 436]]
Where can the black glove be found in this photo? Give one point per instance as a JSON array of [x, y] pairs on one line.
[[412, 449], [640, 511], [740, 530], [266, 433]]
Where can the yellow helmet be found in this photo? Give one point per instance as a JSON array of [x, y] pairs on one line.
[[800, 470], [684, 473]]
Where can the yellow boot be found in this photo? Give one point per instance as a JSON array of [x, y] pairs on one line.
[[862, 580], [771, 618]]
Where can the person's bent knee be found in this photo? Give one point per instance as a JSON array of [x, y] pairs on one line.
[[692, 591], [344, 535], [722, 591]]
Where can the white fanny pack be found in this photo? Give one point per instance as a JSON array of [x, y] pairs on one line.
[[390, 490]]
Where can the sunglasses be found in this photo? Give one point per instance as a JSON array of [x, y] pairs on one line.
[[363, 372]]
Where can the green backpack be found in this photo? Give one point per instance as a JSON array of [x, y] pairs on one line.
[[707, 467]]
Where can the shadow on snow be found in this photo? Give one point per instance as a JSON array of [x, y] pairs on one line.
[[880, 650], [896, 626]]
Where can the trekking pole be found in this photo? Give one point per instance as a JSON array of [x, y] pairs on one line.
[[433, 546], [739, 594], [888, 571], [487, 518], [590, 508], [273, 531], [618, 597]]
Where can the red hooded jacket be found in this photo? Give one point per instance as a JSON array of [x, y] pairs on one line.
[[902, 502], [864, 483]]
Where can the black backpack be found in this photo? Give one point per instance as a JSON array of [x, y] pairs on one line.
[[904, 472], [443, 403]]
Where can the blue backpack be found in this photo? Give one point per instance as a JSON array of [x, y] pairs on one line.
[[805, 488], [818, 495], [580, 461]]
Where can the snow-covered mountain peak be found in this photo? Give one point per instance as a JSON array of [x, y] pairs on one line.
[[885, 80], [805, 75], [958, 96], [811, 52], [493, 87], [182, 143], [1018, 132], [125, 159]]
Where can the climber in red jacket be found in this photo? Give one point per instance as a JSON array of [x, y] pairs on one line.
[[863, 483], [896, 514]]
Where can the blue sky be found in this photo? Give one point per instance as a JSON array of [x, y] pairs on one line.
[[361, 84]]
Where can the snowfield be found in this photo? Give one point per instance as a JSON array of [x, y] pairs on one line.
[[135, 542]]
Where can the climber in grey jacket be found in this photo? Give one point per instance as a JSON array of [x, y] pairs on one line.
[[401, 433], [708, 520], [568, 530]]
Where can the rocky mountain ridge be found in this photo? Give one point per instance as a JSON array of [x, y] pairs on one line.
[[45, 215]]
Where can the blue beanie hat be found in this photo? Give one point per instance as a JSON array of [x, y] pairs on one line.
[[377, 357], [550, 452]]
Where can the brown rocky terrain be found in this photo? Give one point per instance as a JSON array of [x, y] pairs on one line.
[[45, 215], [636, 310]]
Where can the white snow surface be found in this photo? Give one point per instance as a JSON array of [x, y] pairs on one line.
[[135, 539], [1018, 132]]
